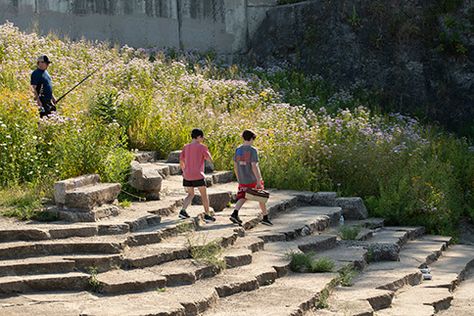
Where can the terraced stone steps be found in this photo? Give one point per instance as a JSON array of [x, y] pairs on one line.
[[276, 299], [380, 281], [436, 294]]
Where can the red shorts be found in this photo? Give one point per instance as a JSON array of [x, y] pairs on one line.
[[243, 187]]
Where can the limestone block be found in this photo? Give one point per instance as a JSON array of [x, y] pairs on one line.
[[352, 207], [324, 199], [146, 178], [217, 200], [145, 156], [61, 187], [88, 197]]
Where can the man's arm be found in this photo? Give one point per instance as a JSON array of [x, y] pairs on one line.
[[36, 96], [258, 174]]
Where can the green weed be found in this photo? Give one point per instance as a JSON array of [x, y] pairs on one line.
[[348, 232]]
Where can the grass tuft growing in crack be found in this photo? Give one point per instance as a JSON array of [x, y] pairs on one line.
[[94, 283], [304, 263], [347, 232], [207, 252]]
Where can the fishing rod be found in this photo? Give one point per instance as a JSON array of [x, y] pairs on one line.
[[80, 82]]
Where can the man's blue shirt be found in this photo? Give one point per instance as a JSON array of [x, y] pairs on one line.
[[44, 85]]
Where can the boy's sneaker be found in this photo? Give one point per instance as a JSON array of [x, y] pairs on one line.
[[266, 221], [209, 218], [183, 214], [235, 219]]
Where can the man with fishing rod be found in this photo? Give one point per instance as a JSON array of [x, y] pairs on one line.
[[43, 86]]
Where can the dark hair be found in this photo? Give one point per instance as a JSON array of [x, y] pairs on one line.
[[196, 133], [248, 135]]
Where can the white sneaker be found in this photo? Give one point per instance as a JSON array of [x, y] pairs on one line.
[[427, 276]]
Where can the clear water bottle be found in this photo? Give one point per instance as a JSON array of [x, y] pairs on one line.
[[341, 220]]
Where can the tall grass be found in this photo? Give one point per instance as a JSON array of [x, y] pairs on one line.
[[407, 172]]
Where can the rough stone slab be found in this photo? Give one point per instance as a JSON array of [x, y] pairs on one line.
[[135, 304], [463, 303], [275, 299], [80, 215], [145, 156], [237, 257], [148, 178], [352, 207], [195, 300], [316, 243], [140, 239], [47, 282], [184, 272], [412, 232], [88, 197], [345, 296], [23, 234], [24, 250], [324, 199], [301, 221], [154, 254], [39, 265], [218, 200], [113, 229], [100, 262], [223, 177], [61, 187], [80, 231], [345, 255], [121, 281], [252, 243]]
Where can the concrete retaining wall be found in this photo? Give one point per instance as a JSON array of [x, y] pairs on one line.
[[221, 25]]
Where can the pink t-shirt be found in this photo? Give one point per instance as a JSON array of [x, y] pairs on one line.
[[193, 155]]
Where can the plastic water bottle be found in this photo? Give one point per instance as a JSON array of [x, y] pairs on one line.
[[341, 220]]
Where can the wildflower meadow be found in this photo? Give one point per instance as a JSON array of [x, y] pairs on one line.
[[309, 136]]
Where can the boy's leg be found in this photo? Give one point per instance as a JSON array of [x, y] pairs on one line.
[[263, 207], [189, 198], [239, 204], [204, 199]]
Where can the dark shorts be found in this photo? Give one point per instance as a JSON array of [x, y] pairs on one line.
[[194, 183], [47, 108]]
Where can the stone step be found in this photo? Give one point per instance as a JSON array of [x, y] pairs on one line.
[[41, 265], [178, 247], [379, 281], [463, 302], [293, 295], [19, 250], [344, 256], [74, 281], [90, 196], [84, 303], [385, 243], [301, 221], [447, 273]]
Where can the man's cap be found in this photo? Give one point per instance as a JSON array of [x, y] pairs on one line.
[[44, 59]]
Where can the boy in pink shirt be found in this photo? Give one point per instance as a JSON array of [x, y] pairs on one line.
[[192, 160]]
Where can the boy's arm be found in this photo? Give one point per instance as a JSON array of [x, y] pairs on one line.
[[181, 161], [258, 174], [236, 171]]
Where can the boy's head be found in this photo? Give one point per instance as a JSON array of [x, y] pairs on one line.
[[248, 135], [197, 134]]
